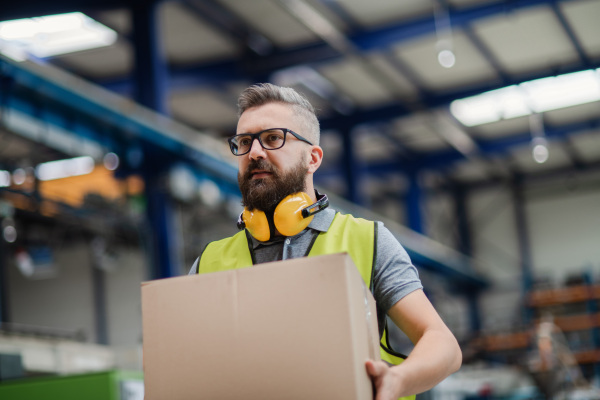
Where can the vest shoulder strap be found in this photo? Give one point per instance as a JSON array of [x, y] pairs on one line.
[[230, 253], [356, 236]]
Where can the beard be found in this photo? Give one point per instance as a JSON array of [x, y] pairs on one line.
[[266, 193]]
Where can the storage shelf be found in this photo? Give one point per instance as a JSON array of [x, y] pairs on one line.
[[506, 341], [570, 323], [538, 299], [575, 311], [571, 294], [587, 357]]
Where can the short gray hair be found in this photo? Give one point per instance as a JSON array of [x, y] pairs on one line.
[[265, 93]]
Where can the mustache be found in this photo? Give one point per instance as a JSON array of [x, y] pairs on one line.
[[259, 164]]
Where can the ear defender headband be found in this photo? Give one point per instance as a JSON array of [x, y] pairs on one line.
[[292, 215]]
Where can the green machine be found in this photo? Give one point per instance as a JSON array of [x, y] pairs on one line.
[[107, 385]]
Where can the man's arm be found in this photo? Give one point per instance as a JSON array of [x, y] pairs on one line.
[[435, 356]]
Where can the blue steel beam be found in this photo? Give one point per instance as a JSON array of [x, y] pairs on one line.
[[394, 110], [570, 33], [102, 116], [367, 40], [487, 54], [441, 159], [463, 280], [375, 39], [228, 23], [181, 77], [382, 38], [343, 14]]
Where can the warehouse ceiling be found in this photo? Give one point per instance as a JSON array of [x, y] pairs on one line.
[[372, 70]]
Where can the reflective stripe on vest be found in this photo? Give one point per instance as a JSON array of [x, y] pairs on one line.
[[356, 236]]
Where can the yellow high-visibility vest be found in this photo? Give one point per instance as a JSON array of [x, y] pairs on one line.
[[356, 236]]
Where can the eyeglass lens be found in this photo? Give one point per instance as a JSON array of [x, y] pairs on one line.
[[271, 140]]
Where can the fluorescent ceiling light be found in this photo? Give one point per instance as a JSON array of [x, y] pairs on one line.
[[4, 178], [56, 34], [535, 96], [65, 168]]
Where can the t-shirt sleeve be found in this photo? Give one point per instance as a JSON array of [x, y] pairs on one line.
[[395, 276]]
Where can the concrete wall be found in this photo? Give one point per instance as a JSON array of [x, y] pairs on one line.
[[62, 302], [123, 299], [562, 218], [66, 301], [565, 235]]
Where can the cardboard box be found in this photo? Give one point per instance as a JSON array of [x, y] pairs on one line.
[[295, 329]]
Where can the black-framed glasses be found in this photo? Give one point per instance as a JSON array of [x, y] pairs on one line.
[[269, 139]]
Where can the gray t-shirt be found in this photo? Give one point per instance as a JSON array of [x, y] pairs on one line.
[[394, 275]]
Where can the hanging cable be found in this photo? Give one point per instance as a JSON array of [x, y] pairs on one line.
[[539, 144], [443, 31]]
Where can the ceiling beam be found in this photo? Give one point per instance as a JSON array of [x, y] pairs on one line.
[[37, 8], [392, 111], [235, 28], [379, 38], [487, 54], [393, 34], [570, 33], [442, 159]]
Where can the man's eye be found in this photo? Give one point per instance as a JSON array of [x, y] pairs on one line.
[[245, 142], [273, 138]]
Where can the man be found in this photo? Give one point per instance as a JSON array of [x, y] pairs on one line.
[[277, 144]]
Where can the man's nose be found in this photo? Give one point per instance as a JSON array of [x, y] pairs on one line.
[[256, 150]]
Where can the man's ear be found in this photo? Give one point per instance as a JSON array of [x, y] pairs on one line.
[[316, 157]]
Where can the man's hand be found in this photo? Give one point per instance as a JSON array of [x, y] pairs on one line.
[[385, 381]]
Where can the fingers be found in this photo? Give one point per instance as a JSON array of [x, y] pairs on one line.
[[376, 368]]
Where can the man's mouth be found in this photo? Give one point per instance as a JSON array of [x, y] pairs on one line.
[[260, 174]]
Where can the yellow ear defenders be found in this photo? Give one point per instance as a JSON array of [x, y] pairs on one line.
[[291, 216]]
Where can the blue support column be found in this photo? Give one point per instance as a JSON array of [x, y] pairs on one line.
[[150, 71], [151, 83], [414, 198], [522, 236], [465, 247], [164, 241], [351, 168], [99, 297], [462, 219], [592, 310], [4, 316]]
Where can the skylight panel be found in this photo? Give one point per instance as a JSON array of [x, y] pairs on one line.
[[64, 168], [535, 96], [4, 178], [54, 35], [563, 91]]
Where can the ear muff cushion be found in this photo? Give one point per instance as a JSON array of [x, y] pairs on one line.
[[257, 224], [288, 214]]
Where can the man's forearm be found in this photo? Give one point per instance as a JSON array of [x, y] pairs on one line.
[[435, 356]]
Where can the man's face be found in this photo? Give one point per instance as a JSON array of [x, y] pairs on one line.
[[265, 193], [267, 176]]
